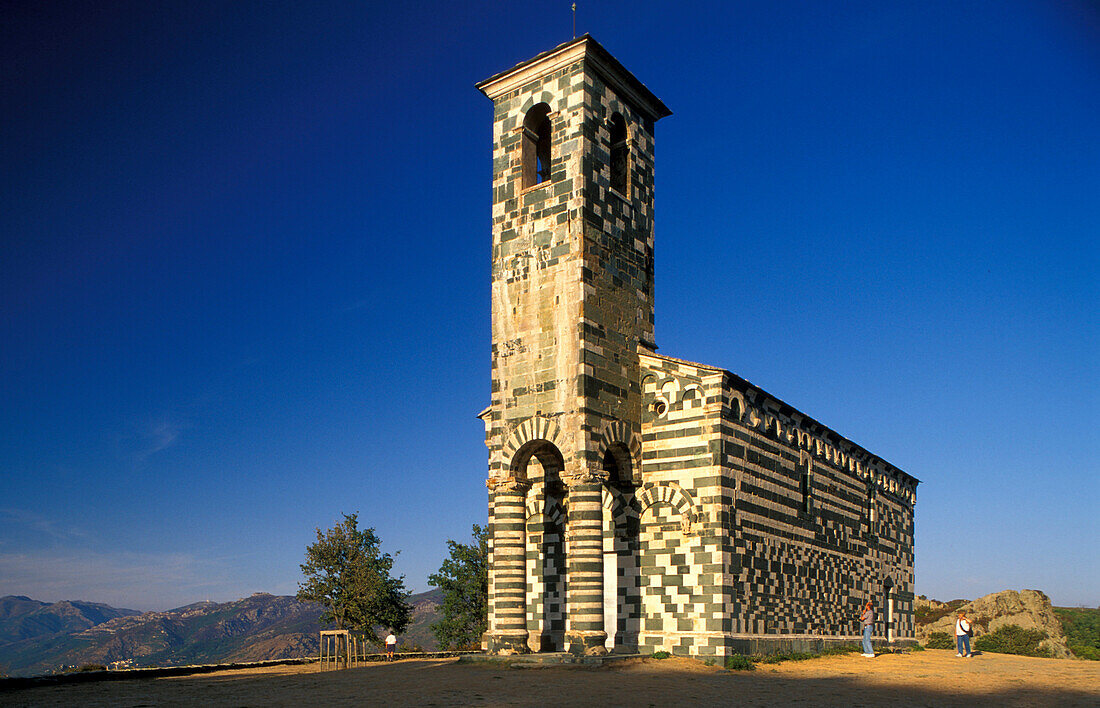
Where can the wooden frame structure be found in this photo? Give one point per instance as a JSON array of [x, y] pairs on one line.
[[339, 649]]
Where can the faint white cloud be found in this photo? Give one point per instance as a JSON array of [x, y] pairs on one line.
[[38, 523], [161, 436], [153, 437], [140, 581]]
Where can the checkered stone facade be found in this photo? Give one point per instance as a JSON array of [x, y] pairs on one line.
[[639, 502]]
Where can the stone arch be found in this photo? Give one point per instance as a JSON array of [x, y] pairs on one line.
[[552, 512], [737, 405], [550, 460], [672, 494], [535, 147], [617, 507], [693, 396], [669, 389], [544, 97], [625, 447], [530, 429], [753, 417], [610, 500]]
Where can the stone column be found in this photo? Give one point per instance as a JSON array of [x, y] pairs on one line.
[[507, 573], [890, 621], [584, 563]]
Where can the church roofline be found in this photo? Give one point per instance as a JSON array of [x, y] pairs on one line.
[[608, 67], [784, 405]]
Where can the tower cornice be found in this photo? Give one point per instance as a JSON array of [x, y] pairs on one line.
[[599, 59]]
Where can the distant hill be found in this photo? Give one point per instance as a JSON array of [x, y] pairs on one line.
[[24, 618], [425, 612], [36, 637]]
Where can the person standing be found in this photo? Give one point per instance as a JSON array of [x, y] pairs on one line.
[[391, 644], [963, 630], [868, 620]]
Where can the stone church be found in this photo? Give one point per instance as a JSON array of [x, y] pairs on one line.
[[640, 502]]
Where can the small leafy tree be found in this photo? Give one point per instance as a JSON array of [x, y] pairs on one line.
[[349, 576], [464, 580]]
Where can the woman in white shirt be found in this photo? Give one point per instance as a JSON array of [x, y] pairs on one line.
[[962, 635]]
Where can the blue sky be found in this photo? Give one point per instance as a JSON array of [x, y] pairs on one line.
[[244, 283]]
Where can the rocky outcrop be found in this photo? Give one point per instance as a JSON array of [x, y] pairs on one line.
[[1029, 609]]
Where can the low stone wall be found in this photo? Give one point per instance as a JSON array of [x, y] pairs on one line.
[[764, 646], [18, 682], [559, 658], [414, 655], [154, 672]]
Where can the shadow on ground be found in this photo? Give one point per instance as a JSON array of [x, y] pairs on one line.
[[443, 683]]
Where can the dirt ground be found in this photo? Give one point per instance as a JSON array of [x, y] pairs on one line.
[[929, 678]]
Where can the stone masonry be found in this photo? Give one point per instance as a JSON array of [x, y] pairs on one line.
[[639, 502]]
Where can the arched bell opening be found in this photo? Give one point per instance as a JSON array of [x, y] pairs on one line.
[[535, 148], [620, 155]]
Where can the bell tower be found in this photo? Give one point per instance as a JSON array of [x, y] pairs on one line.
[[572, 307]]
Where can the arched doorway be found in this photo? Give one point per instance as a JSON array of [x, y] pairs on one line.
[[621, 566], [540, 463]]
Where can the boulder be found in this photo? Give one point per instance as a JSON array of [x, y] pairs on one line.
[[1029, 609]]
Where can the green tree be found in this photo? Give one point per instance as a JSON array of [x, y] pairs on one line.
[[1082, 628], [464, 580], [1013, 639], [349, 576]]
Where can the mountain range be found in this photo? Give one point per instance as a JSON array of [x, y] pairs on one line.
[[38, 637]]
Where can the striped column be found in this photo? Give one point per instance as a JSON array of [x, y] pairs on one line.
[[584, 564], [507, 572]]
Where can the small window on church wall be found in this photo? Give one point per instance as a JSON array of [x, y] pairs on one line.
[[535, 151], [620, 155]]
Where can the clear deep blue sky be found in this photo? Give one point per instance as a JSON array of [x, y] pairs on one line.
[[244, 282]]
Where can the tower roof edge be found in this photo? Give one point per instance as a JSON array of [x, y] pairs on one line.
[[598, 58]]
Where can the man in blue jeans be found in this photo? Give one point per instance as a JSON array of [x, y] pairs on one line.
[[868, 619], [962, 635]]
